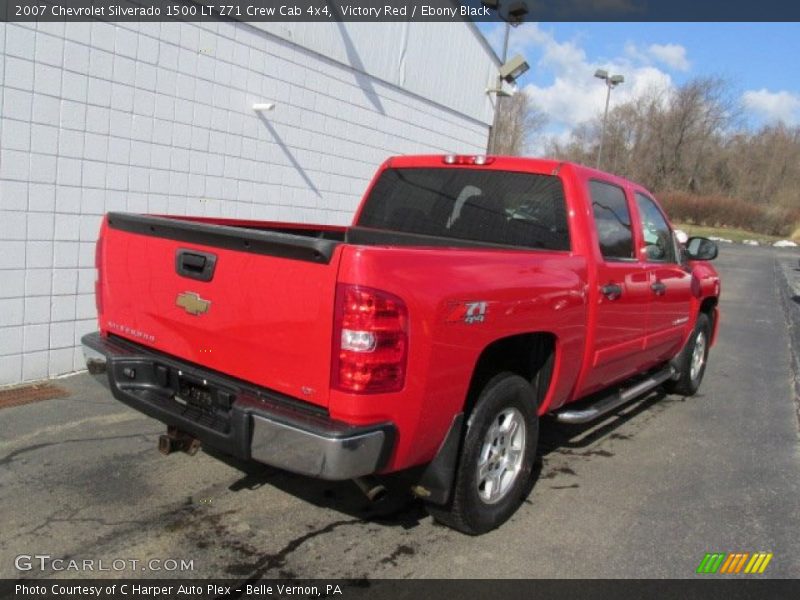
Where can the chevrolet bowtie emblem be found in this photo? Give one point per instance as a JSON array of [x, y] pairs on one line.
[[192, 303]]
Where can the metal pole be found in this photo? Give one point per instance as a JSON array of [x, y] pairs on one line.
[[505, 42], [603, 129], [493, 133]]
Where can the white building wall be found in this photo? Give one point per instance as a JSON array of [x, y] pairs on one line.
[[157, 118], [449, 63]]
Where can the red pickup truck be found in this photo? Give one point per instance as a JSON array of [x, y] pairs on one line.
[[471, 296]]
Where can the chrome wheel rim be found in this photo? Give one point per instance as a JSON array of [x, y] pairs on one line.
[[698, 355], [500, 460]]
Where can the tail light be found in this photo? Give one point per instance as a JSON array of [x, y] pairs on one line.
[[98, 283], [370, 341]]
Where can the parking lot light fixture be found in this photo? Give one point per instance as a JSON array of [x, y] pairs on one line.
[[611, 82]]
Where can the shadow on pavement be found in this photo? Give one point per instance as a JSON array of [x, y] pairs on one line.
[[400, 508], [554, 436]]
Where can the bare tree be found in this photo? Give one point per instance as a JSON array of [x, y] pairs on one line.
[[662, 139], [518, 120], [764, 167], [690, 142]]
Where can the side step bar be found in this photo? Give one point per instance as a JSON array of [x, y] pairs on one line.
[[609, 403]]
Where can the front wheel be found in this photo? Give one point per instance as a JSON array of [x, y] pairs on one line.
[[692, 361], [496, 457]]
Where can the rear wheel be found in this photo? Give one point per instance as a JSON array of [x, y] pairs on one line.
[[692, 360], [496, 457]]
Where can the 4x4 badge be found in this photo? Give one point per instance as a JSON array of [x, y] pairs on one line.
[[192, 303], [468, 312]]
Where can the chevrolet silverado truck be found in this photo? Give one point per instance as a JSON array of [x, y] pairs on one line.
[[471, 297]]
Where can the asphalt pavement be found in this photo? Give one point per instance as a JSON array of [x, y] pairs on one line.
[[645, 493]]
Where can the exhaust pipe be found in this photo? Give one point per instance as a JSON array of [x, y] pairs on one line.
[[176, 439], [374, 491]]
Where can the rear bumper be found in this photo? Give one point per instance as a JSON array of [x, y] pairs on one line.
[[237, 418]]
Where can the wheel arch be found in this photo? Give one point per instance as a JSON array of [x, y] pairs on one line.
[[531, 355], [708, 307]]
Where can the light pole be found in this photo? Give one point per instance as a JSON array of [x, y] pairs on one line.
[[514, 17], [611, 82]]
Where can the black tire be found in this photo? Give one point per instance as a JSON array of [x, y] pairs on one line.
[[688, 382], [507, 399]]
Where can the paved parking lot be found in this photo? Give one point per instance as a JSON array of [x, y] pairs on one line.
[[643, 494]]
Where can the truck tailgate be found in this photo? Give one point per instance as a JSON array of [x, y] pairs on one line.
[[255, 305]]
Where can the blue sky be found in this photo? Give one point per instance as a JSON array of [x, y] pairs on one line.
[[760, 59]]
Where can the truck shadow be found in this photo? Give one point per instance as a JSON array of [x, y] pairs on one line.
[[400, 508], [555, 436]]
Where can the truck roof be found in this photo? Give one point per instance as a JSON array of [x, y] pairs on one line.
[[514, 163]]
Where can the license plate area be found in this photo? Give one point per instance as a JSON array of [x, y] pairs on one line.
[[195, 394], [203, 402], [187, 395], [202, 395]]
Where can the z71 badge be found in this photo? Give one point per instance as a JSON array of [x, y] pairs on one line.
[[468, 312]]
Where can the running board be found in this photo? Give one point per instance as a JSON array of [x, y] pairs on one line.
[[609, 403]]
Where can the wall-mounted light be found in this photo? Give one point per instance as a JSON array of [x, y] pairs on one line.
[[513, 69], [517, 12], [501, 93], [263, 106]]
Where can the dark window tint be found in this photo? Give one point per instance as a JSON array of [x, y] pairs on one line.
[[658, 240], [612, 219], [500, 207]]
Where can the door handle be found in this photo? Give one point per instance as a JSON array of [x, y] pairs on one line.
[[195, 264], [612, 291], [658, 287]]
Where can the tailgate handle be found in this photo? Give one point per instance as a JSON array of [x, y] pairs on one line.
[[195, 264]]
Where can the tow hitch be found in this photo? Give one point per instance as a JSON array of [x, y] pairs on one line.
[[175, 439]]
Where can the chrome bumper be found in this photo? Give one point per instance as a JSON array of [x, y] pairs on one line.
[[313, 454], [260, 424]]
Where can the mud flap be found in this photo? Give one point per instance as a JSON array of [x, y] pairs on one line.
[[436, 483], [676, 361]]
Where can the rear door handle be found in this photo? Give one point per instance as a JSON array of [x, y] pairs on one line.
[[612, 291], [658, 287]]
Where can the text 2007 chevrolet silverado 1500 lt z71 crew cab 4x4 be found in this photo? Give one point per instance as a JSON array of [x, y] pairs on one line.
[[471, 296]]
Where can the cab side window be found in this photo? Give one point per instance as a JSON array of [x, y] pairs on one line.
[[658, 239], [612, 218]]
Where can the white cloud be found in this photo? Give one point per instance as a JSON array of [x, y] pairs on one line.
[[633, 53], [538, 145], [671, 55], [774, 106], [569, 94], [575, 95]]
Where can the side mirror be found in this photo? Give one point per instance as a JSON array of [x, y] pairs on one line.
[[700, 248]]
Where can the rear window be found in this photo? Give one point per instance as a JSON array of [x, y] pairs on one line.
[[499, 207]]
